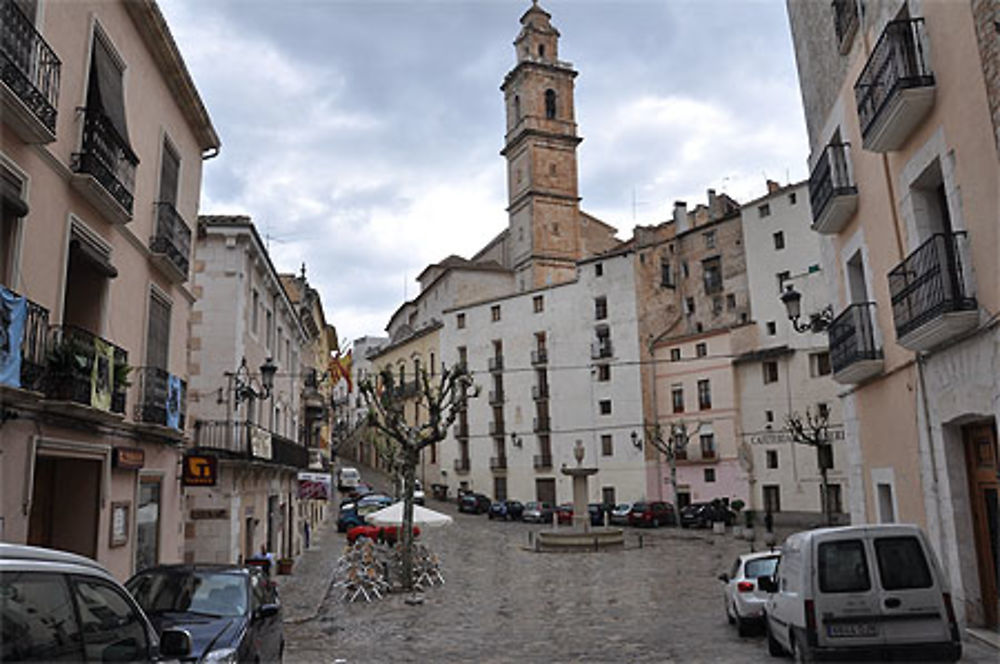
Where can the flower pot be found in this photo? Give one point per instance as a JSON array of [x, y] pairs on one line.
[[285, 565]]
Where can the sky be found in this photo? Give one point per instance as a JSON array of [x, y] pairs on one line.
[[363, 136]]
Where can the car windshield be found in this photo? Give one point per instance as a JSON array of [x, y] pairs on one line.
[[640, 507], [623, 507], [202, 592], [760, 567]]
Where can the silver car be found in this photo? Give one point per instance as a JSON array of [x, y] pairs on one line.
[[619, 515], [744, 599]]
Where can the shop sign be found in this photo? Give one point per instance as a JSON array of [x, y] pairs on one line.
[[260, 443], [200, 470], [129, 458], [316, 486], [210, 514]]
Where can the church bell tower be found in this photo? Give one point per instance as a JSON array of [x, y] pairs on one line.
[[540, 148]]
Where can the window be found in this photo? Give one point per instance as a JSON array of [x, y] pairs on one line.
[[517, 107], [603, 346], [277, 350], [709, 475], [112, 629], [538, 304], [495, 313], [677, 394], [716, 306], [158, 332], [500, 487], [106, 100], [902, 564], [772, 498], [147, 527], [779, 240], [730, 301], [460, 321], [886, 509], [782, 278], [704, 394], [254, 315], [684, 269], [463, 355], [605, 406], [600, 308], [598, 269], [701, 350], [608, 495], [819, 364], [770, 372], [550, 104], [603, 372], [269, 321], [712, 274], [823, 410], [689, 304], [675, 354], [666, 276], [764, 210], [12, 209], [769, 416], [710, 240], [772, 458], [433, 365], [843, 567], [707, 441], [772, 328], [170, 166], [792, 198], [45, 627], [606, 447]]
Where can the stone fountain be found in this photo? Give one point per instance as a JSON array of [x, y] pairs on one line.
[[581, 536]]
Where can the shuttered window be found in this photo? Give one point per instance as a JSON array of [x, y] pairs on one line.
[[158, 334], [169, 170]]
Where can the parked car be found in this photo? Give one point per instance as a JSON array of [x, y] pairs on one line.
[[508, 510], [474, 503], [860, 591], [232, 613], [353, 513], [60, 606], [418, 493], [703, 515], [564, 514], [655, 514], [348, 478], [348, 517], [387, 534], [361, 490], [743, 599], [597, 512], [537, 512], [619, 514]]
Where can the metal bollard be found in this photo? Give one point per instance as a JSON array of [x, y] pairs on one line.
[[640, 540], [531, 537]]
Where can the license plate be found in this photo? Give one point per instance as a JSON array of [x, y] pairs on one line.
[[852, 629]]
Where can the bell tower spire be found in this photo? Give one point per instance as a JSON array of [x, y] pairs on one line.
[[540, 148]]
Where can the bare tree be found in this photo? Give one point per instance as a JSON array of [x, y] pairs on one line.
[[442, 398], [814, 431], [673, 446]]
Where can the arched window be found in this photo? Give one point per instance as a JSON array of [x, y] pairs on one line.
[[550, 103], [541, 50], [517, 108]]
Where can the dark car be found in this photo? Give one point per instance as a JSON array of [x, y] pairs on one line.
[[474, 503], [508, 510], [703, 515], [655, 514], [353, 513], [232, 613], [597, 512]]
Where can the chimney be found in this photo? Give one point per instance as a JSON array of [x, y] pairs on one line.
[[680, 217], [713, 205], [772, 186]]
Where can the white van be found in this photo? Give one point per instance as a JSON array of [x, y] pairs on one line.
[[860, 590], [348, 478]]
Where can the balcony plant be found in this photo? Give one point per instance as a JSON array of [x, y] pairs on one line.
[[68, 362]]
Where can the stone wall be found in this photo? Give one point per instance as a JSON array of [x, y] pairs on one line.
[[986, 15]]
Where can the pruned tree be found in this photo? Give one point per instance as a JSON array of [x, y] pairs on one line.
[[672, 446], [442, 398], [814, 431]]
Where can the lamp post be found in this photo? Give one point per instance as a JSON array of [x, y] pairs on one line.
[[818, 322], [243, 383], [672, 446]]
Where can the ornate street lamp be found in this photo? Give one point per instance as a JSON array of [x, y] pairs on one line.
[[243, 383], [818, 322]]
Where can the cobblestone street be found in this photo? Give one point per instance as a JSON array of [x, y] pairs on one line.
[[501, 602]]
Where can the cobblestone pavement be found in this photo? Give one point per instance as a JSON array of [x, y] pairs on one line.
[[503, 603]]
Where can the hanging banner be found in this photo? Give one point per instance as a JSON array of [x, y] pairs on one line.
[[173, 401], [315, 486], [13, 312], [103, 375]]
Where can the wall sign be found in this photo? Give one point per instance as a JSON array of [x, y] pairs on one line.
[[200, 470], [129, 458], [119, 523]]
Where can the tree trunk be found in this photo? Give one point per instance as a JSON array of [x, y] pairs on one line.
[[406, 531], [826, 498], [673, 482]]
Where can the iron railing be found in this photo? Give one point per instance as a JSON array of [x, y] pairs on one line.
[[852, 336], [462, 465], [845, 19], [108, 157], [496, 428], [543, 461], [600, 349], [461, 430], [541, 424], [898, 62], [244, 440], [287, 452], [496, 397], [929, 283], [30, 67], [34, 346], [496, 363], [540, 392], [831, 177], [540, 356], [172, 237], [155, 398], [498, 463], [70, 372]]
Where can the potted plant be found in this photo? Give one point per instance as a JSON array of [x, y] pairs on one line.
[[748, 531], [737, 506], [285, 565]]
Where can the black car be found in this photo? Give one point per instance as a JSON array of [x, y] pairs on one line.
[[474, 503], [702, 515], [597, 512], [508, 510], [232, 613]]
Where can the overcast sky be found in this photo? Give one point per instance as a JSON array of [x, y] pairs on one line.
[[363, 136]]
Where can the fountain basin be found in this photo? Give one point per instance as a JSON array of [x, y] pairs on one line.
[[573, 540]]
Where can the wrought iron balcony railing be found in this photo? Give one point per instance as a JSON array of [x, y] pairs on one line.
[[897, 64], [832, 192], [496, 363], [461, 430], [539, 356], [172, 238], [34, 346], [852, 337], [600, 350], [496, 397], [70, 373], [108, 158], [543, 461], [158, 404], [540, 392], [462, 465], [498, 463], [287, 452], [541, 424], [244, 440], [496, 428], [845, 21], [929, 284], [30, 68]]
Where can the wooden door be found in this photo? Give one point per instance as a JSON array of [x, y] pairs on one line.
[[984, 486]]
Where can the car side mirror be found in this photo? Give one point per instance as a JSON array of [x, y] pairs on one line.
[[767, 584], [175, 643], [267, 610], [724, 578]]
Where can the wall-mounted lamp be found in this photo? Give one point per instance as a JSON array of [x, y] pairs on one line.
[[515, 440], [243, 383], [636, 440], [818, 322]]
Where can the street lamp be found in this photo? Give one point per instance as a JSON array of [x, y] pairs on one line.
[[515, 440], [243, 383], [818, 322], [636, 441]]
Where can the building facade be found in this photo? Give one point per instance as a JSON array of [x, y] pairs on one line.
[[900, 101], [103, 136]]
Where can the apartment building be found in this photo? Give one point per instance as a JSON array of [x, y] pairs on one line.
[[901, 103], [352, 437], [103, 136], [246, 389]]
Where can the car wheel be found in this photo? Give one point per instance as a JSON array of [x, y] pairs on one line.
[[774, 648], [742, 626], [803, 653]]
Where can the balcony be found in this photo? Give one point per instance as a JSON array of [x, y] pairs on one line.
[[34, 347], [104, 170], [171, 243], [496, 363], [243, 440], [600, 350], [845, 22], [832, 193], [498, 463], [708, 455], [30, 74], [496, 397], [497, 428], [71, 375], [461, 430], [930, 300], [162, 398], [539, 356], [408, 390], [540, 392], [462, 465], [287, 452], [854, 354], [541, 425], [896, 88], [543, 461]]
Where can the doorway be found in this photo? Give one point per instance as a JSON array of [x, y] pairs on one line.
[[984, 486], [273, 524], [55, 523], [545, 490], [147, 524]]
